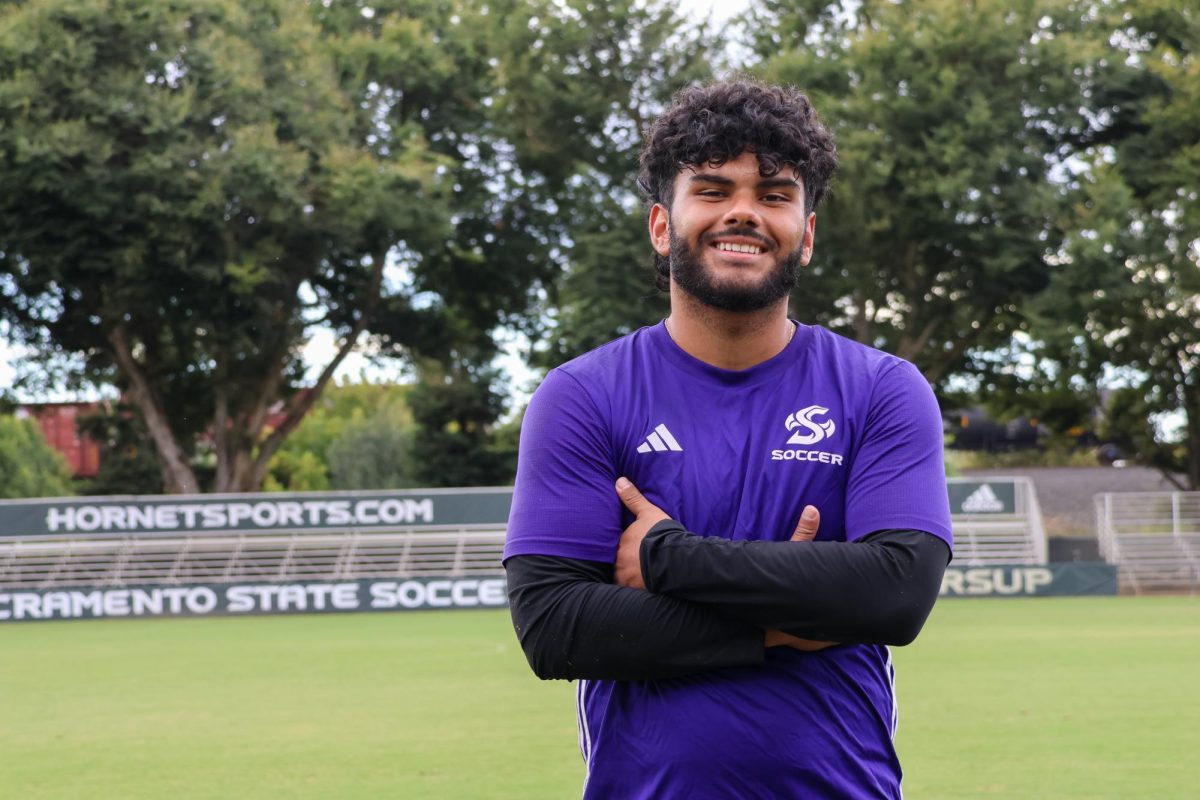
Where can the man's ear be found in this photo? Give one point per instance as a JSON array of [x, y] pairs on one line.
[[810, 232], [660, 229]]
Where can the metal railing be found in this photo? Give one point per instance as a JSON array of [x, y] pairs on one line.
[[1153, 538], [118, 560], [121, 559]]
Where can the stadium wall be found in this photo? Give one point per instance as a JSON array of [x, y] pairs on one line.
[[341, 552], [414, 594], [1046, 580], [249, 599]]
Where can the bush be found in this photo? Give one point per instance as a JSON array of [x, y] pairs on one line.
[[371, 454], [312, 460], [29, 467], [959, 460]]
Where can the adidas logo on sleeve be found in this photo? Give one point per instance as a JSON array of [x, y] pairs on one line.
[[659, 440]]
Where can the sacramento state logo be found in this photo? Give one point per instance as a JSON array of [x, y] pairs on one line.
[[809, 426], [806, 429]]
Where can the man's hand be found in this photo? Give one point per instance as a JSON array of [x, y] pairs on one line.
[[629, 561], [806, 531], [806, 528], [629, 558]]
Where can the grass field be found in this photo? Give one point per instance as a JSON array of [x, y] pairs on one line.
[[1038, 698]]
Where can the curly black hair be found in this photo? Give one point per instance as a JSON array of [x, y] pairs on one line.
[[712, 124]]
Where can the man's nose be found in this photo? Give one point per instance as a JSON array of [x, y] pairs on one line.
[[743, 211]]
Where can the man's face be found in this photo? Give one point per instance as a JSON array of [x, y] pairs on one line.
[[735, 239]]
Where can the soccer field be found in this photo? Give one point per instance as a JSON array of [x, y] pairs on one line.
[[1053, 698]]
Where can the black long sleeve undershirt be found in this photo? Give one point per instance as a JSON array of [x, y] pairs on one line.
[[572, 622], [878, 590]]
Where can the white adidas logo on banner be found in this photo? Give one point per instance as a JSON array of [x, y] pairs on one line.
[[659, 440], [982, 499]]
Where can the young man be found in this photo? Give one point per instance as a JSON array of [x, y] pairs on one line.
[[705, 661]]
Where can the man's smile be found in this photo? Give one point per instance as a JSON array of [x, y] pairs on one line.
[[731, 247], [739, 247]]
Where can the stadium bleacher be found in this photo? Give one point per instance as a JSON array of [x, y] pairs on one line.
[[1153, 538]]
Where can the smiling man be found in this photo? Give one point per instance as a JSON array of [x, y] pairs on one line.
[[762, 254], [720, 522]]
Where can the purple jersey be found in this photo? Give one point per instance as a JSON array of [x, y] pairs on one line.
[[827, 422]]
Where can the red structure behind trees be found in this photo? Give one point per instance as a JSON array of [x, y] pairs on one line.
[[58, 422]]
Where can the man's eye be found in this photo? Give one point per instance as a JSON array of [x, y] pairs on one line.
[[776, 198], [712, 193]]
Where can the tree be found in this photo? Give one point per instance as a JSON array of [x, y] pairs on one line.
[[329, 450], [609, 289], [188, 188], [541, 186], [951, 119], [372, 453], [297, 471], [455, 442], [29, 467], [1026, 380], [128, 464], [181, 194], [588, 100], [1125, 296]]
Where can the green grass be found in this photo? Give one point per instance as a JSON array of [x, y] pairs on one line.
[[1054, 698]]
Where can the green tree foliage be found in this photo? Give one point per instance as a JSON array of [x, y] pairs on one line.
[[609, 290], [188, 188], [1127, 423], [951, 118], [181, 192], [538, 108], [1022, 380], [297, 471], [616, 65], [29, 467], [456, 442], [319, 455], [1126, 295], [372, 453]]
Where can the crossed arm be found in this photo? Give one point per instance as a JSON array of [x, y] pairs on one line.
[[676, 603]]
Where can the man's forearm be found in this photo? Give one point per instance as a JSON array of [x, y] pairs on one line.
[[879, 589], [572, 622]]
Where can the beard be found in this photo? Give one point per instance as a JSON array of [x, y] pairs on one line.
[[688, 270]]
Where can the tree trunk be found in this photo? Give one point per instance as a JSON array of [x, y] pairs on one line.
[[178, 477], [238, 433], [248, 454], [862, 324], [220, 435]]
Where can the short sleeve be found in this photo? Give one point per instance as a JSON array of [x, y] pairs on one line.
[[897, 478], [564, 503]]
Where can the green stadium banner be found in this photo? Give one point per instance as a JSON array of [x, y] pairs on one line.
[[413, 594], [982, 497], [135, 515], [248, 599], [1047, 580]]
